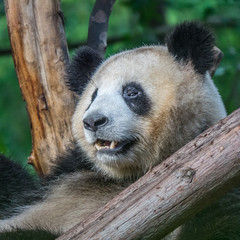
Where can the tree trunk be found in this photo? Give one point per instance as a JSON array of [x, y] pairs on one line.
[[172, 192], [40, 54]]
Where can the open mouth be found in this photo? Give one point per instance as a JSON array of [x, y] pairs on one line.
[[113, 146]]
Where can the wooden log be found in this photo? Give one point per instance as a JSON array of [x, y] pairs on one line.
[[172, 192], [40, 54]]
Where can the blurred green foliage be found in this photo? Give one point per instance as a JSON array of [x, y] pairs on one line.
[[132, 24]]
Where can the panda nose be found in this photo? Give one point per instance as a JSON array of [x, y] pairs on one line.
[[94, 122]]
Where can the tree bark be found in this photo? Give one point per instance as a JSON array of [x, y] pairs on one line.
[[172, 192], [40, 54], [98, 25]]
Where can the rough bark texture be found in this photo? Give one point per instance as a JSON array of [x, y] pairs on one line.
[[40, 53], [98, 25], [172, 192]]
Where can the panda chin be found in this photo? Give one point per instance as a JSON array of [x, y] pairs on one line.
[[113, 147]]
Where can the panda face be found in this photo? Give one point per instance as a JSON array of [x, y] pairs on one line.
[[142, 105], [115, 120]]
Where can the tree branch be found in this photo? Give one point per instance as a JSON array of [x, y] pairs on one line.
[[40, 54], [172, 192], [98, 25]]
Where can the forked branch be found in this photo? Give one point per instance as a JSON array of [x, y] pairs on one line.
[[40, 55]]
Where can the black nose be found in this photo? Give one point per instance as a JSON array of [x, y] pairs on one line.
[[94, 122]]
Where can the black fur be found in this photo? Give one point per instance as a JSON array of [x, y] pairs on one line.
[[72, 160], [83, 65], [27, 235], [17, 187], [191, 41], [94, 95]]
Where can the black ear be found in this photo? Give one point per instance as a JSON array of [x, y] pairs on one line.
[[84, 63], [191, 41]]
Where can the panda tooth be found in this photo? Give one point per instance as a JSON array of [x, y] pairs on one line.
[[113, 145], [100, 145], [97, 146]]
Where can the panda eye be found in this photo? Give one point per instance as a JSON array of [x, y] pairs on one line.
[[131, 92], [136, 99]]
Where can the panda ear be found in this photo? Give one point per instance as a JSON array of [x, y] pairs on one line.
[[84, 63], [191, 41]]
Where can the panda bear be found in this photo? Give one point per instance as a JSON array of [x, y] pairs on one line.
[[135, 109]]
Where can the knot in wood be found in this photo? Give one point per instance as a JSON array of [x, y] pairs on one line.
[[187, 174], [100, 17], [42, 103]]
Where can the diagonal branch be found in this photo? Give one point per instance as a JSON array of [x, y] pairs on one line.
[[98, 25], [172, 192]]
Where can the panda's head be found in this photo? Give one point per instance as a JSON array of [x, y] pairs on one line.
[[141, 105]]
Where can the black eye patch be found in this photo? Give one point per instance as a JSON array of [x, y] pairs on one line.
[[136, 99], [94, 95]]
